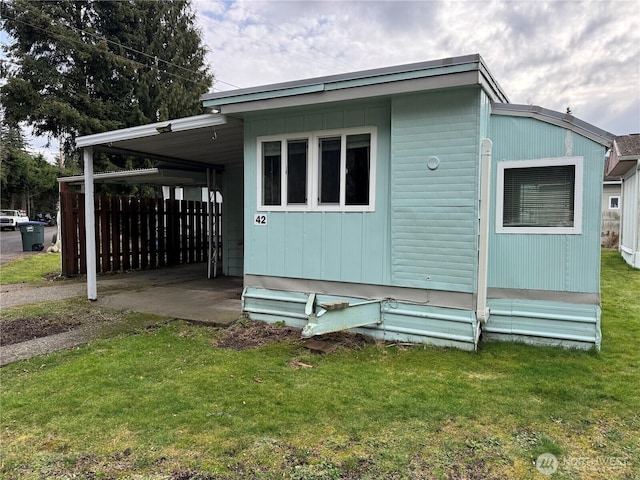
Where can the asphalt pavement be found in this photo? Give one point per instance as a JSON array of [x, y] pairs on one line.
[[11, 244]]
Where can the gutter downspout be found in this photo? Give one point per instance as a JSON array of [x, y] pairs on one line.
[[90, 225], [482, 312]]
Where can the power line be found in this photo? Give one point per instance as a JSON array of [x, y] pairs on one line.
[[155, 58]]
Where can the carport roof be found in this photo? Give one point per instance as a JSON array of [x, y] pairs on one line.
[[208, 140], [154, 176]]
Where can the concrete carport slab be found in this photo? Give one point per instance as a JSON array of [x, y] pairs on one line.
[[181, 292], [206, 144]]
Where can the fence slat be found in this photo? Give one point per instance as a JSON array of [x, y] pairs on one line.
[[133, 233]]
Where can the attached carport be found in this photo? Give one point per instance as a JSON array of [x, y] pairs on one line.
[[204, 150]]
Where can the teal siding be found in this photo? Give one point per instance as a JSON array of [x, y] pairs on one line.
[[547, 262], [426, 324], [544, 323], [434, 214], [338, 246]]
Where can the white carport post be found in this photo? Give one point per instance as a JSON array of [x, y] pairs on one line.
[[90, 225], [212, 225]]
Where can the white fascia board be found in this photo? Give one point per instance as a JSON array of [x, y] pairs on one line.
[[111, 175], [141, 131]]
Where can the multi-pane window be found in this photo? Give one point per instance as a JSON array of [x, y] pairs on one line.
[[323, 171], [540, 196]]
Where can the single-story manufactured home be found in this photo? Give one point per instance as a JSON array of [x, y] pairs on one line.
[[624, 162], [410, 203]]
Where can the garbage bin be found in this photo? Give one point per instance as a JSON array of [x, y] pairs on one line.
[[32, 236]]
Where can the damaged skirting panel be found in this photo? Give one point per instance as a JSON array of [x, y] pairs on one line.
[[398, 321], [568, 325]]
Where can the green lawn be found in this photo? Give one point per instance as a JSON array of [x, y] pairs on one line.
[[34, 268], [166, 403]]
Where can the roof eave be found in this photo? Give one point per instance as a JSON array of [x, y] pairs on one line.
[[151, 129], [555, 118], [369, 83]]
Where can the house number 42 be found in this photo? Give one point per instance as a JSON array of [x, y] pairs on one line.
[[260, 219]]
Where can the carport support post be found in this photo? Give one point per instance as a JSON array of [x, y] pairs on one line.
[[212, 223], [90, 225]]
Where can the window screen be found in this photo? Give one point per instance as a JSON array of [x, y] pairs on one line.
[[357, 175], [539, 196], [271, 172], [297, 172], [330, 170]]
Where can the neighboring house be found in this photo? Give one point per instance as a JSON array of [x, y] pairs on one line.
[[411, 203], [611, 208], [624, 162]]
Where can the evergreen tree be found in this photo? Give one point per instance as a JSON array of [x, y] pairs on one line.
[[84, 67], [27, 182]]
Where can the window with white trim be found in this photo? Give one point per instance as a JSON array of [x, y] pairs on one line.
[[540, 196], [323, 171], [614, 203]]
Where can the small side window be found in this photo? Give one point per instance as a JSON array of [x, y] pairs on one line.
[[540, 196], [614, 203]]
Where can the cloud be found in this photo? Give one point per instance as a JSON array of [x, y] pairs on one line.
[[555, 54]]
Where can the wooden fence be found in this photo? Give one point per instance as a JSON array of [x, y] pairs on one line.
[[134, 233]]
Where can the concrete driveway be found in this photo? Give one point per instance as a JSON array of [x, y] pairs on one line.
[[181, 292]]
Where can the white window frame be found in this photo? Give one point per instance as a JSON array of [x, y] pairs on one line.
[[612, 197], [313, 174], [576, 229]]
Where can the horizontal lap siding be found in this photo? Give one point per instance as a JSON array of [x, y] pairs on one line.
[[547, 262], [337, 246], [434, 214]]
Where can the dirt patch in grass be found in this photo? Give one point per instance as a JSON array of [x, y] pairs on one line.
[[246, 334], [26, 328]]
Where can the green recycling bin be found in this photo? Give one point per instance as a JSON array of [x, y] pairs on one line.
[[32, 236]]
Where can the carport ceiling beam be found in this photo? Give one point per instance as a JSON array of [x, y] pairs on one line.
[[159, 158]]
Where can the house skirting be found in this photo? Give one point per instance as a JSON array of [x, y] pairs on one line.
[[396, 320], [570, 320], [552, 323], [630, 256]]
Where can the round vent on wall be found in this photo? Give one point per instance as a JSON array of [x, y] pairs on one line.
[[433, 162]]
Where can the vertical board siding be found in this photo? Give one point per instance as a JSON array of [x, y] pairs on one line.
[[630, 229], [434, 213], [339, 246], [568, 263]]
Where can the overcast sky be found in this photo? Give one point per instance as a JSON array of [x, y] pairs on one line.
[[557, 54]]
